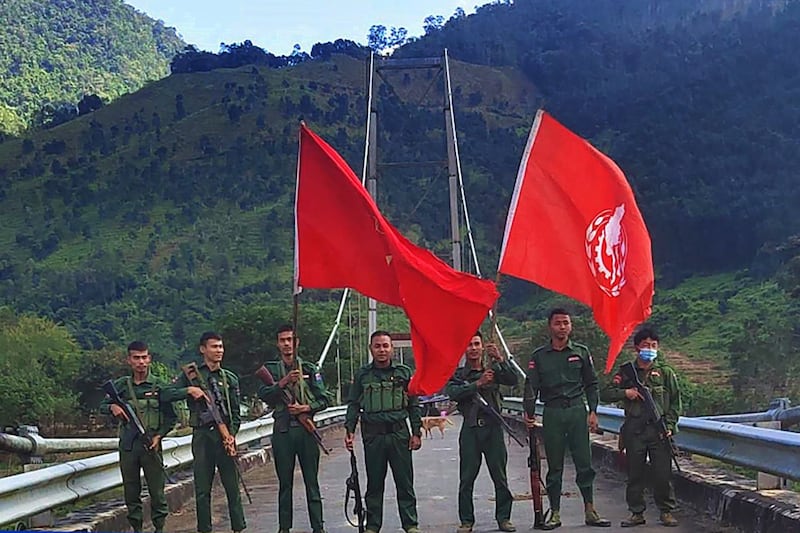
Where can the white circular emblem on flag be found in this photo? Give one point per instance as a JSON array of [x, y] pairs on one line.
[[607, 250]]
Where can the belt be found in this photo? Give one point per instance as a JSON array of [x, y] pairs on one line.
[[294, 423], [482, 422], [382, 428], [564, 403]]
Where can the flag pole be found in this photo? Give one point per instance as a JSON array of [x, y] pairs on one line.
[[493, 312]]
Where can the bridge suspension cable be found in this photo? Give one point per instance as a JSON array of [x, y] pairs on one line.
[[454, 157]]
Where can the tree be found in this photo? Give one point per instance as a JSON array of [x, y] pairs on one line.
[[89, 103], [40, 363]]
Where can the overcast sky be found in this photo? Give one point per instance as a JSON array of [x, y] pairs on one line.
[[277, 25]]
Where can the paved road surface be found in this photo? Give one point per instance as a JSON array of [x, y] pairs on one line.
[[436, 481]]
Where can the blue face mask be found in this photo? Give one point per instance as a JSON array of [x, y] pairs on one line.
[[648, 355]]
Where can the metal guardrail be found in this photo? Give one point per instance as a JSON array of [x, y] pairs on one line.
[[765, 450], [33, 444], [27, 494]]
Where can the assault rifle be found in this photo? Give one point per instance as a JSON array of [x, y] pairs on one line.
[[133, 419], [214, 409], [534, 464], [487, 408], [289, 398], [354, 486], [629, 370]]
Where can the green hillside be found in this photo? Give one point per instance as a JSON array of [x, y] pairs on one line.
[[151, 212], [54, 52]]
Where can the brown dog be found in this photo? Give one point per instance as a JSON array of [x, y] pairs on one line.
[[430, 422]]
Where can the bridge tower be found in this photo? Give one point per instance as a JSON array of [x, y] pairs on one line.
[[380, 67]]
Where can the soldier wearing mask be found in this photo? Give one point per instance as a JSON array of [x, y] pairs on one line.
[[640, 435]]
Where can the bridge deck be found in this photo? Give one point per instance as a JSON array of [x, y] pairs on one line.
[[436, 482]]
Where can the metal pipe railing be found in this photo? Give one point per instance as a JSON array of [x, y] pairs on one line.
[[27, 494]]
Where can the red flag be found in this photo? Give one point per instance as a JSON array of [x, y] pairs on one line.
[[574, 227], [342, 240]]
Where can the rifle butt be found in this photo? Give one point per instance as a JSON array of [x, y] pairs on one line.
[[265, 376]]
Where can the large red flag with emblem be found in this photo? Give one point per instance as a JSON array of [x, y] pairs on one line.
[[342, 240], [574, 227]]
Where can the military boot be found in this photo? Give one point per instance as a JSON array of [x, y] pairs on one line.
[[464, 528], [593, 519], [506, 525], [668, 520], [636, 519], [553, 522]]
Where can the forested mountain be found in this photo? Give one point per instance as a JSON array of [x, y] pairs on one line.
[[697, 102], [172, 206], [54, 52]]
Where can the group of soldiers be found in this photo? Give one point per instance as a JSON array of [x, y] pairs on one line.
[[560, 374]]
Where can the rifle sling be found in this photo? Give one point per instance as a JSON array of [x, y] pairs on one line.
[[203, 385]]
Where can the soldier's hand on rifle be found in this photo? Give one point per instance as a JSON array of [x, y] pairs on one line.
[[486, 378], [349, 439], [195, 393], [414, 443], [297, 408], [493, 352], [119, 412], [633, 394], [592, 422], [156, 442], [291, 377], [530, 422]]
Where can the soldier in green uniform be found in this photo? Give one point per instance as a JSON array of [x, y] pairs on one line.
[[639, 436], [481, 434], [289, 438], [379, 397], [158, 417], [208, 450], [563, 372]]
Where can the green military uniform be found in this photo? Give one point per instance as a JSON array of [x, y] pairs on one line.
[[379, 397], [481, 434], [158, 417], [640, 436], [562, 378], [290, 440], [207, 447]]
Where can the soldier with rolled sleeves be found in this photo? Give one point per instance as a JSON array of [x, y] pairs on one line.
[[208, 449], [562, 373], [640, 434], [379, 398], [157, 414], [289, 438], [481, 434]]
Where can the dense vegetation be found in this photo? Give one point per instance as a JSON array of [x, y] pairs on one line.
[[169, 211], [53, 53]]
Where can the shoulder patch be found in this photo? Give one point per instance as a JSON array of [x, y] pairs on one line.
[[617, 380], [318, 377], [532, 364], [655, 374]]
